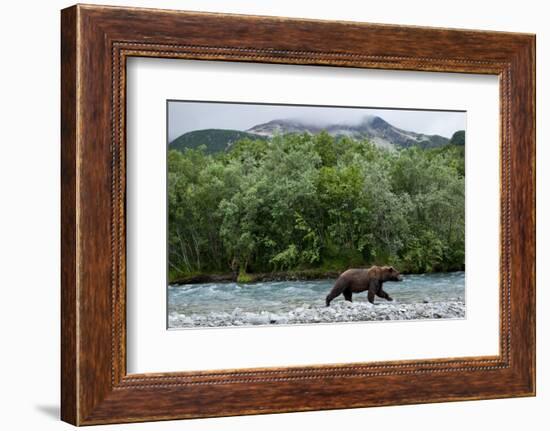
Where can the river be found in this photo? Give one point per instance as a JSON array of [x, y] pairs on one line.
[[286, 302]]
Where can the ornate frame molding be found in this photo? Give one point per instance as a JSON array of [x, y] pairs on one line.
[[96, 41]]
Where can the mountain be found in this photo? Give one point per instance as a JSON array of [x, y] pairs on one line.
[[376, 129], [214, 139], [373, 128], [283, 127]]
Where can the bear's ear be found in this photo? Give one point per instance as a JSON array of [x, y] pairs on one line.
[[392, 268]]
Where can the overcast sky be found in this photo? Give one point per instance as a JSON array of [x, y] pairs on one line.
[[185, 117]]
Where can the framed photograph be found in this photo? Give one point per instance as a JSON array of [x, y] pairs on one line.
[[264, 214], [271, 207]]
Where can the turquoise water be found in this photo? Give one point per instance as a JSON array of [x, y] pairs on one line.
[[283, 296]]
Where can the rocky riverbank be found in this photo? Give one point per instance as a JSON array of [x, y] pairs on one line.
[[341, 311]]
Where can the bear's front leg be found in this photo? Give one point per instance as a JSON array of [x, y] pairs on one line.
[[383, 294], [374, 287], [370, 297]]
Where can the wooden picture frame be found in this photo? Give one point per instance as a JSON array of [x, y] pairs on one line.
[[95, 43]]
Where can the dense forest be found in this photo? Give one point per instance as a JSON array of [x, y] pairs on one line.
[[314, 202]]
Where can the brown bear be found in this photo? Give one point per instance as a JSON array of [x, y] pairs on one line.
[[357, 280]]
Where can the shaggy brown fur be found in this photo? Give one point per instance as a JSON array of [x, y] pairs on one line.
[[357, 280]]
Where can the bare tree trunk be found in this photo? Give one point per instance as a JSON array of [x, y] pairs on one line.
[[183, 249], [197, 250]]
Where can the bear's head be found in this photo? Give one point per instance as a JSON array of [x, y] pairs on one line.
[[392, 274]]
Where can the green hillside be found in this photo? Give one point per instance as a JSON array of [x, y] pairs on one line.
[[215, 140]]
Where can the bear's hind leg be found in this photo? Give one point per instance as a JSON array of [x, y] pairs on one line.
[[348, 294], [337, 289]]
